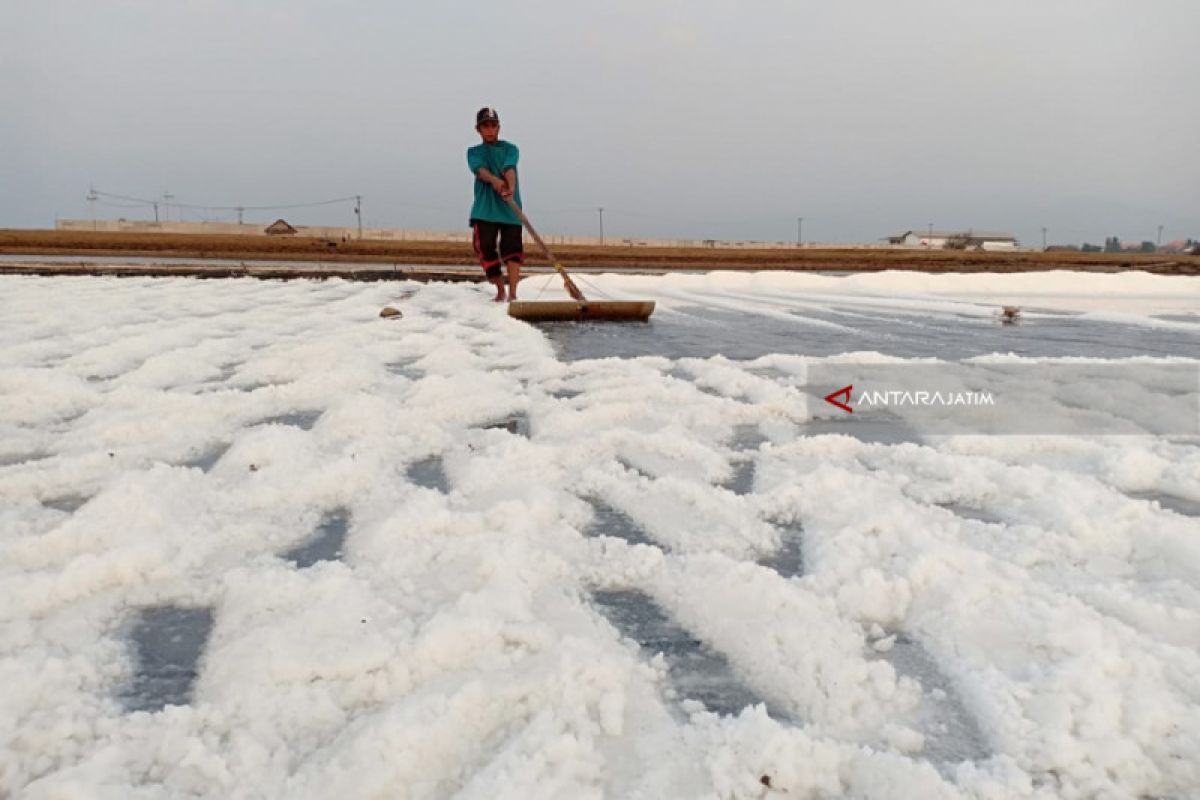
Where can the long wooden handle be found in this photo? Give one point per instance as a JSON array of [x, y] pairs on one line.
[[529, 227], [572, 289]]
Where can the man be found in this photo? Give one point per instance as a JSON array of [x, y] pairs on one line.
[[496, 227]]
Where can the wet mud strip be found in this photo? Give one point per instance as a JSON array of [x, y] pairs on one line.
[[304, 420], [696, 671], [518, 425], [1183, 506], [326, 543], [951, 733], [208, 459], [70, 503], [250, 388], [227, 372], [629, 466], [565, 394], [13, 459], [197, 268], [429, 473], [742, 480], [746, 440], [747, 437], [167, 643], [788, 560], [222, 383], [311, 255], [977, 514], [868, 431], [506, 366], [64, 423], [608, 521], [404, 367], [681, 374], [773, 373]]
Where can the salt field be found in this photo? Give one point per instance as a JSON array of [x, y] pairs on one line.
[[256, 541]]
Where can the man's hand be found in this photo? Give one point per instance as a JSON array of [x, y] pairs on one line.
[[502, 188]]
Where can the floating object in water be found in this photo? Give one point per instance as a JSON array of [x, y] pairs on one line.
[[568, 310]]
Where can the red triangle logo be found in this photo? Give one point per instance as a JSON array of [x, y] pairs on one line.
[[843, 393]]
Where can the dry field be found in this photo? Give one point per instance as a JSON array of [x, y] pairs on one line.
[[451, 255]]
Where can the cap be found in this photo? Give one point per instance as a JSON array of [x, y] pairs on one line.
[[487, 115]]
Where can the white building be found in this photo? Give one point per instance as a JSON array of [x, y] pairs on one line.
[[955, 240]]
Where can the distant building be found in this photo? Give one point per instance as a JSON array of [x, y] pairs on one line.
[[955, 240], [280, 228]]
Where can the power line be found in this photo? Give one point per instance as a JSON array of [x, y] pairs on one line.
[[144, 201], [119, 205]]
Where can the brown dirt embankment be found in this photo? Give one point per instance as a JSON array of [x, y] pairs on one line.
[[451, 254]]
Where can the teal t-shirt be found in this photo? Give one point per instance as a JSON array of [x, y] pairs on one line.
[[497, 157]]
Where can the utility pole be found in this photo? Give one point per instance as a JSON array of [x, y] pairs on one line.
[[601, 210], [799, 231], [91, 198], [1043, 238], [240, 209], [358, 212], [167, 198], [1158, 241], [155, 211]]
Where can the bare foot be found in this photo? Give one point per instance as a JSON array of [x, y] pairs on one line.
[[498, 298]]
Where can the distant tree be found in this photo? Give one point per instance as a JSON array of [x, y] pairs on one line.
[[1091, 248], [1112, 244], [1149, 247]]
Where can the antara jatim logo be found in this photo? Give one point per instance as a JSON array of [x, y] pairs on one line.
[[901, 397]]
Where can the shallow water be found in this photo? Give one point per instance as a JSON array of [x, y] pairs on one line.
[[608, 521], [167, 643], [429, 473], [325, 544], [705, 332], [696, 671], [952, 734], [304, 420]]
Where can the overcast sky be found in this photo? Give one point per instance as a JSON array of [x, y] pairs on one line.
[[698, 119]]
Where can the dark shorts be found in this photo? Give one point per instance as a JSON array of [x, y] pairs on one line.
[[491, 256]]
